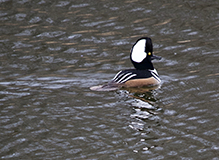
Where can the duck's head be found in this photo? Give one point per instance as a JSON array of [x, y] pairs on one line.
[[142, 54]]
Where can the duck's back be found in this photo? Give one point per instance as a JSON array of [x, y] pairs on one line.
[[134, 77]]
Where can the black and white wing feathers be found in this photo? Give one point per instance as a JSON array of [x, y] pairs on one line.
[[123, 76]]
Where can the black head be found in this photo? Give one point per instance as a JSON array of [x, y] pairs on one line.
[[142, 54]]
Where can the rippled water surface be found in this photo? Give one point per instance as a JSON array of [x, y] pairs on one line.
[[51, 52]]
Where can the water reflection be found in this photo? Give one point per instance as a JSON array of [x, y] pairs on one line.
[[145, 94]]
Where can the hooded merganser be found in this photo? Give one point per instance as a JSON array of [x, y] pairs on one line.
[[144, 73]]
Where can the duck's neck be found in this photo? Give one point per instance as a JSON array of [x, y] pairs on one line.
[[144, 65]]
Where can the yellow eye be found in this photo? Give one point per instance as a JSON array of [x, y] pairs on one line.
[[149, 53]]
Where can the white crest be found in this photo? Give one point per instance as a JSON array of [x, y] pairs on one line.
[[138, 51]]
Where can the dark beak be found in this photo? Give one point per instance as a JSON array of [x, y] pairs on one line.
[[155, 57]]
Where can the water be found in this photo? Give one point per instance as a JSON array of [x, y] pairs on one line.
[[53, 51]]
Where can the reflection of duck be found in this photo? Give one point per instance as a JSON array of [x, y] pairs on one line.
[[144, 73], [144, 94], [144, 105]]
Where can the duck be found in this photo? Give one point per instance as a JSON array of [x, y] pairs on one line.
[[142, 75]]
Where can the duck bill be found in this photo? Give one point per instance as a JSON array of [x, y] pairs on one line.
[[155, 57]]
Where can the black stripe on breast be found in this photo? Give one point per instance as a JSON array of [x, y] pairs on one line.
[[155, 75]]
